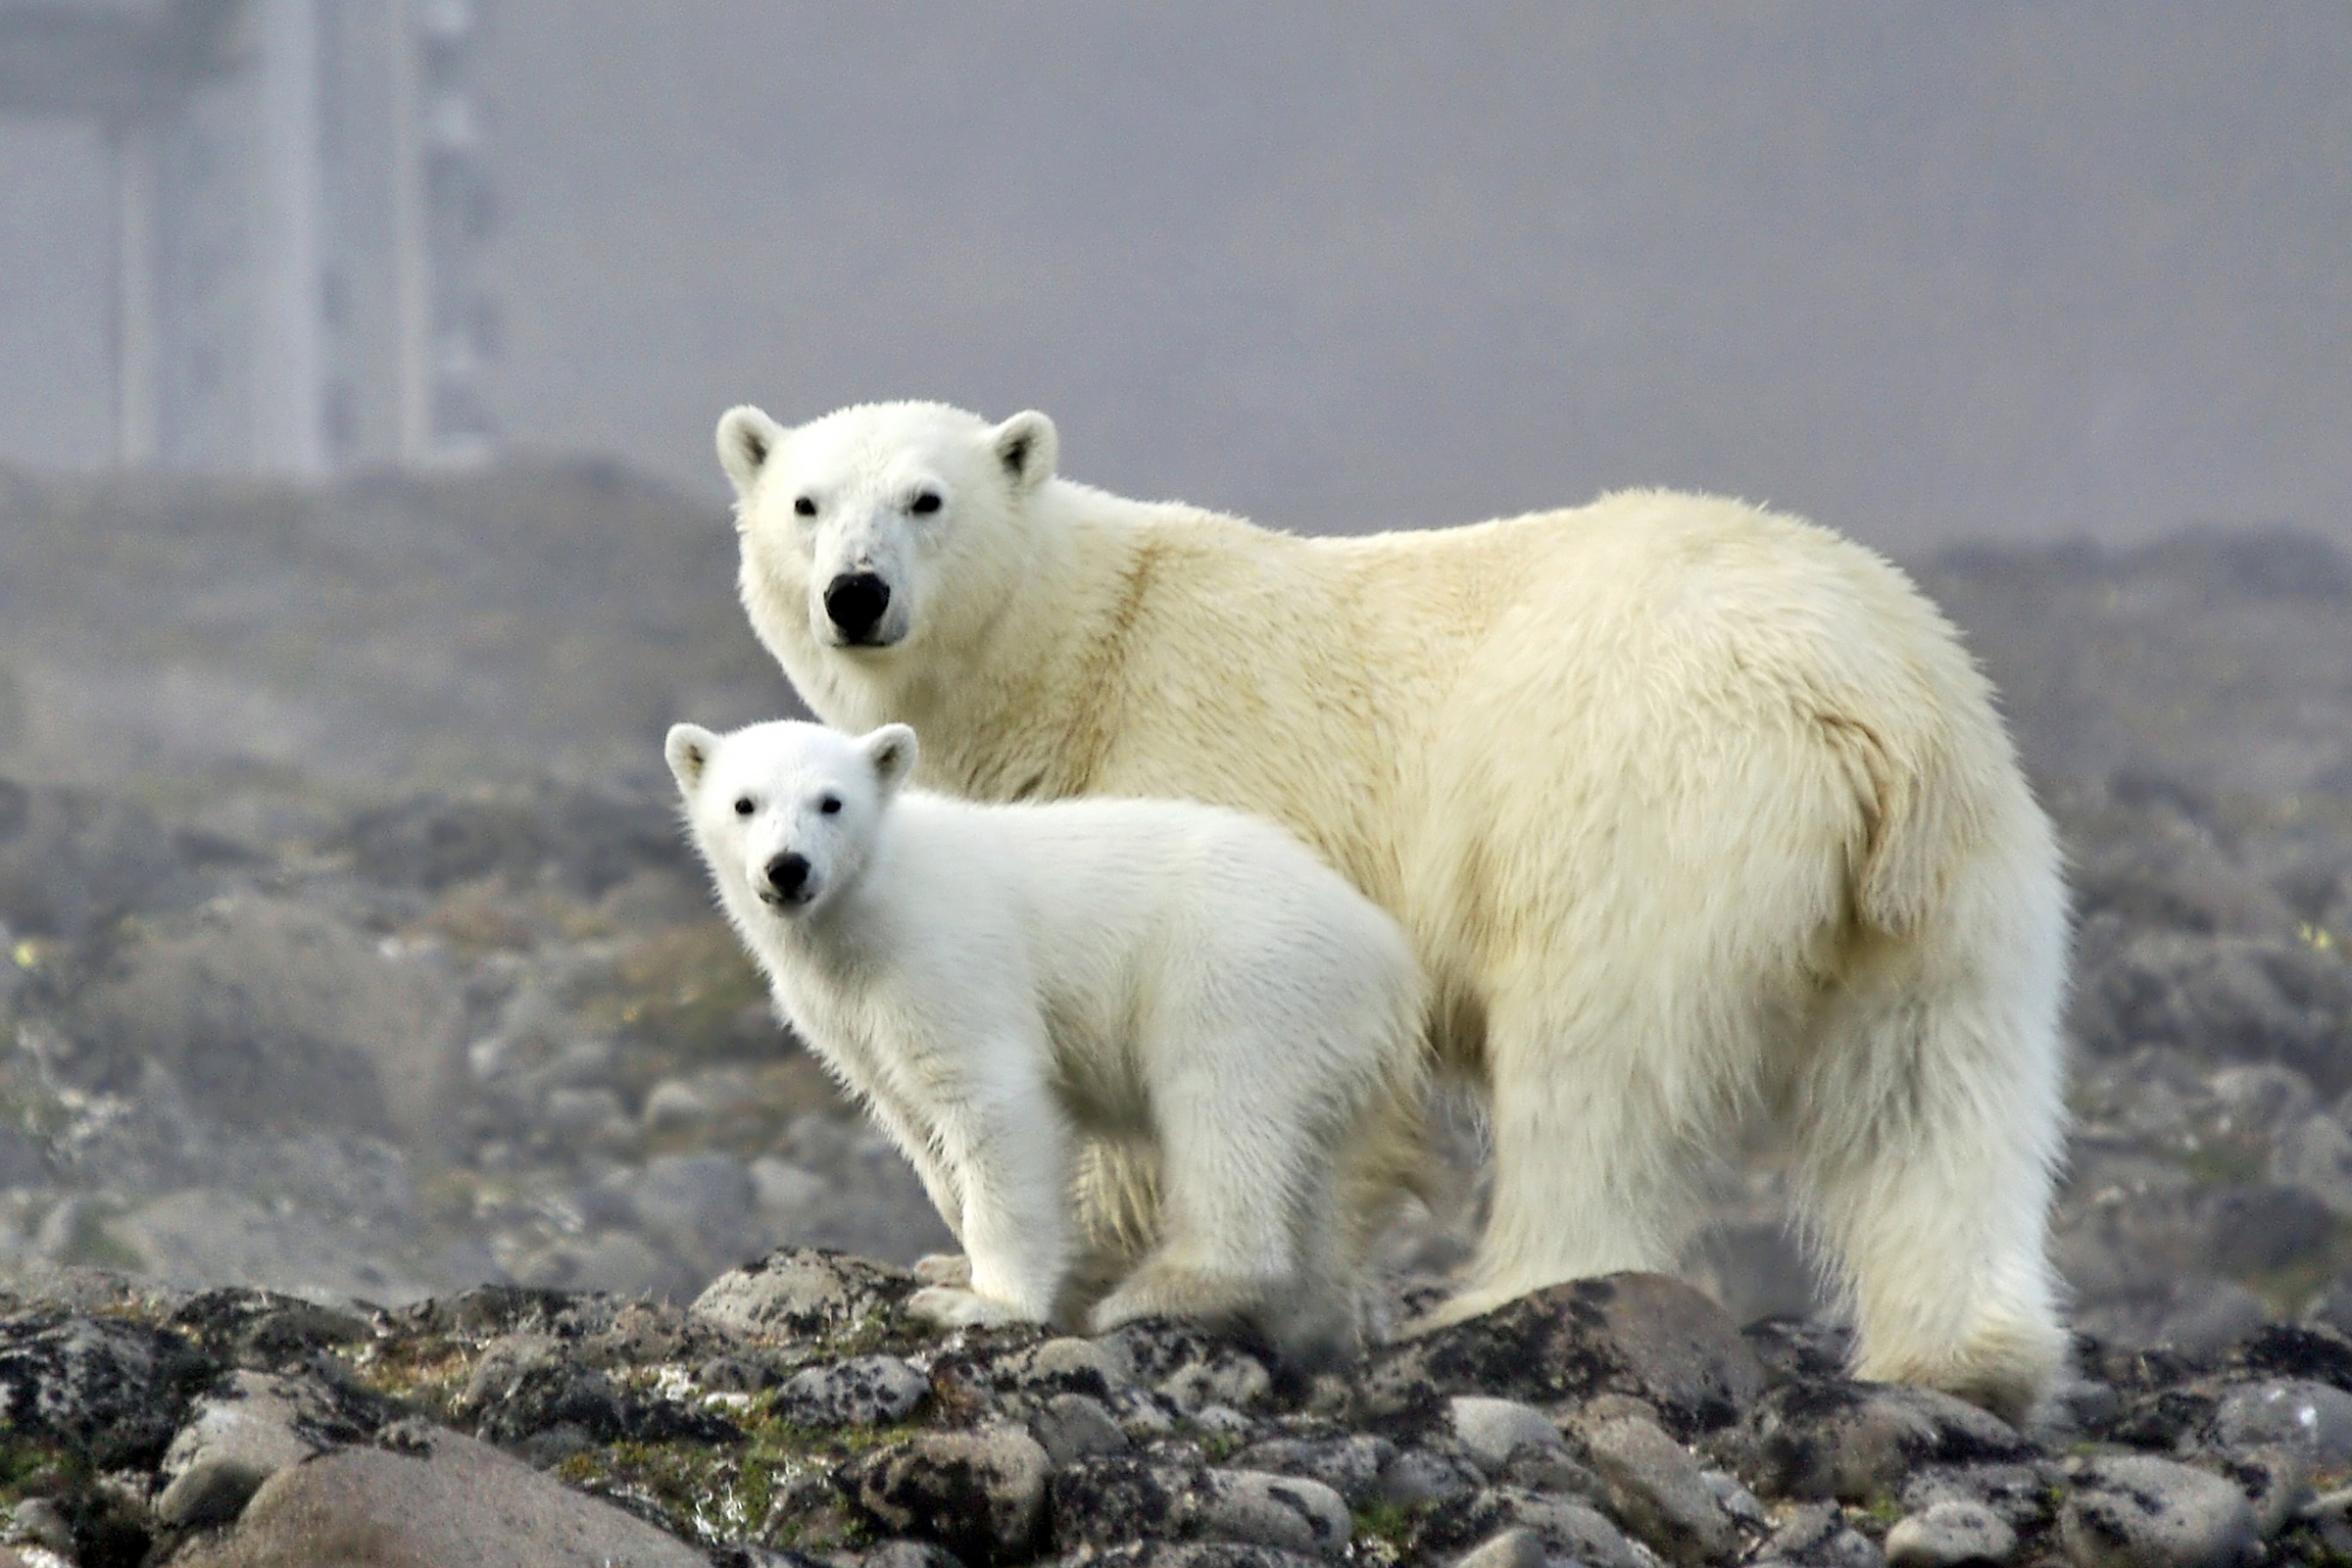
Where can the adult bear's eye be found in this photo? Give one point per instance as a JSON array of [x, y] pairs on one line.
[[829, 805], [925, 504], [806, 506], [743, 805]]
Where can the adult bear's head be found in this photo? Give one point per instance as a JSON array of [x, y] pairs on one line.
[[882, 526]]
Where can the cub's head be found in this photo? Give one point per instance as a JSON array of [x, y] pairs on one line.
[[787, 813], [882, 526]]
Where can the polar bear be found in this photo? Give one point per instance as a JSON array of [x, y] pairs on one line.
[[1189, 993], [1687, 807]]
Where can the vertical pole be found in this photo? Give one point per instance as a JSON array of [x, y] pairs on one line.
[[137, 350], [290, 351], [412, 270]]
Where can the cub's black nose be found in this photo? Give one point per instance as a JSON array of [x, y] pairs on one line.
[[855, 601], [788, 874]]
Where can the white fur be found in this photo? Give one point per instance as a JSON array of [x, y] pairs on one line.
[[1187, 992], [1686, 807]]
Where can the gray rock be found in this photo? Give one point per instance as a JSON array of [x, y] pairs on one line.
[[2019, 1494], [2276, 1481], [1494, 1430], [1817, 1536], [236, 1439], [2140, 1512], [1516, 1547], [1656, 1489], [458, 1504], [1566, 1528], [706, 1196], [1350, 1465], [1075, 1426], [1269, 1510], [110, 1390], [1852, 1441], [908, 1555], [2329, 1516], [800, 1292], [863, 1391], [2312, 1417], [1102, 1502], [1643, 1335], [980, 1494], [1419, 1477], [2315, 1154], [1191, 1555], [2196, 1314], [1946, 1534]]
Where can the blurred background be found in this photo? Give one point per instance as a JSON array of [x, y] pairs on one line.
[[359, 532]]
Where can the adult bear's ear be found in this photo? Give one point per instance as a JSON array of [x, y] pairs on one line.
[[747, 437], [689, 749], [1026, 445], [891, 750]]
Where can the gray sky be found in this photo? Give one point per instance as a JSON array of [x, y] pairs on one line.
[[1918, 271]]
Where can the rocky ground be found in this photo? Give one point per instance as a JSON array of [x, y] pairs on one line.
[[377, 1088]]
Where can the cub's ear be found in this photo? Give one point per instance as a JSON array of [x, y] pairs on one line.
[[746, 438], [891, 750], [1026, 445], [689, 750]]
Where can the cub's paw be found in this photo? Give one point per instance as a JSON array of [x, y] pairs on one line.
[[948, 1306], [945, 1268]]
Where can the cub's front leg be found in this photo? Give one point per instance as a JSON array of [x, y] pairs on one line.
[[1008, 1150]]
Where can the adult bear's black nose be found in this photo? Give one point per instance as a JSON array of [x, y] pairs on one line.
[[855, 601], [788, 874]]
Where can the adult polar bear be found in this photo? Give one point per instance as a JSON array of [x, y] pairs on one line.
[[1687, 807]]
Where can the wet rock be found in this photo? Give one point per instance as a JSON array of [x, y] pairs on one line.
[[1655, 1488], [1946, 1534], [1642, 1335], [111, 1390], [450, 1504], [801, 1293], [1075, 1426], [863, 1391], [2140, 1512], [979, 1495], [1852, 1441], [1563, 1527]]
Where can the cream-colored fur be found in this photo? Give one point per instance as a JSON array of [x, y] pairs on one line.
[[1174, 1014], [1688, 808]]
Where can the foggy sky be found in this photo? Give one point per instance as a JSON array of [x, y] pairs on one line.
[[1917, 270]]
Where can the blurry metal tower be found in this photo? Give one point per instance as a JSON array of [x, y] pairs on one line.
[[300, 212]]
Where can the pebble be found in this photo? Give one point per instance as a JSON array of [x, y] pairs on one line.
[[2137, 1511]]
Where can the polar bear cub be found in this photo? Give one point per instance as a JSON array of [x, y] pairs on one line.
[[1152, 1028]]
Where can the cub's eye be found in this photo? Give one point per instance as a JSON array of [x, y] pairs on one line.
[[925, 504], [804, 506], [743, 805], [829, 805]]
